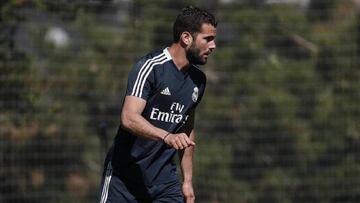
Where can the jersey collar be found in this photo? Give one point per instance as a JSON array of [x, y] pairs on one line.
[[167, 54], [179, 74]]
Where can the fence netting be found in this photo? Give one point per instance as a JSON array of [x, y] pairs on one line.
[[279, 122]]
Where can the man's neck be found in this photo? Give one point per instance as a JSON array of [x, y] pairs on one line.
[[178, 54]]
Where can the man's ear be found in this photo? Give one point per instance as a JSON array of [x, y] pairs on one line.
[[186, 38]]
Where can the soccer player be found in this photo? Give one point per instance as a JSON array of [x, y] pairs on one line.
[[157, 117]]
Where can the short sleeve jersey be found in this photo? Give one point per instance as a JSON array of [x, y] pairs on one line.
[[170, 95]]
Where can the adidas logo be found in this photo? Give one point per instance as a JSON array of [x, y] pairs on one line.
[[166, 91]]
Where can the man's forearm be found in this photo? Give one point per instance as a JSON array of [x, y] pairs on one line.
[[186, 164], [186, 161], [138, 125], [132, 120]]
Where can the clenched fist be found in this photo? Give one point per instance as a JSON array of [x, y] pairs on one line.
[[178, 140]]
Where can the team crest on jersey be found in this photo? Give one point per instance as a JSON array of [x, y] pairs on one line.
[[195, 94]]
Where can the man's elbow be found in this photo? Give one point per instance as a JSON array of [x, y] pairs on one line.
[[125, 120]]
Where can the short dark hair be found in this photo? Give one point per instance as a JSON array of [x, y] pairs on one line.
[[191, 19]]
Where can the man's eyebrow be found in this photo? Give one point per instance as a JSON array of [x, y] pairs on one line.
[[210, 37]]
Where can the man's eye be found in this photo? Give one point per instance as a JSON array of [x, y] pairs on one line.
[[208, 39]]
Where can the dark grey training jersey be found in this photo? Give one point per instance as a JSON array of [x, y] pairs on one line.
[[170, 95]]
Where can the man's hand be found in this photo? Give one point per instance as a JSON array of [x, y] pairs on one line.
[[178, 141], [188, 192]]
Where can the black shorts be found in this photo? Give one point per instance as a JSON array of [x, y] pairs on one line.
[[116, 190]]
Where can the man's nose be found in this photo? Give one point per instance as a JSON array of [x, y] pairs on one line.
[[212, 45]]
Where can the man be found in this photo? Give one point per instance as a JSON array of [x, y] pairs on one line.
[[157, 118]]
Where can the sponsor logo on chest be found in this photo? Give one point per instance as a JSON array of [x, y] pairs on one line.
[[174, 115]]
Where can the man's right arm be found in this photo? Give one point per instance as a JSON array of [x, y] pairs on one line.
[[132, 121]]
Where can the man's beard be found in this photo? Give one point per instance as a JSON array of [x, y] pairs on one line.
[[193, 55]]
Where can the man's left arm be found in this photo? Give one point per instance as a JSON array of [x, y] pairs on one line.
[[186, 162]]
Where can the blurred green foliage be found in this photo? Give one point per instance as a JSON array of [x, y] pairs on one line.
[[279, 121]]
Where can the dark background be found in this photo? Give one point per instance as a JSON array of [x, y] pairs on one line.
[[279, 123]]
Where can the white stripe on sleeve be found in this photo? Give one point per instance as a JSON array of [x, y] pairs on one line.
[[105, 191], [143, 69]]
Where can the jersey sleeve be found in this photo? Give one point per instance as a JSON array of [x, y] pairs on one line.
[[140, 80]]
